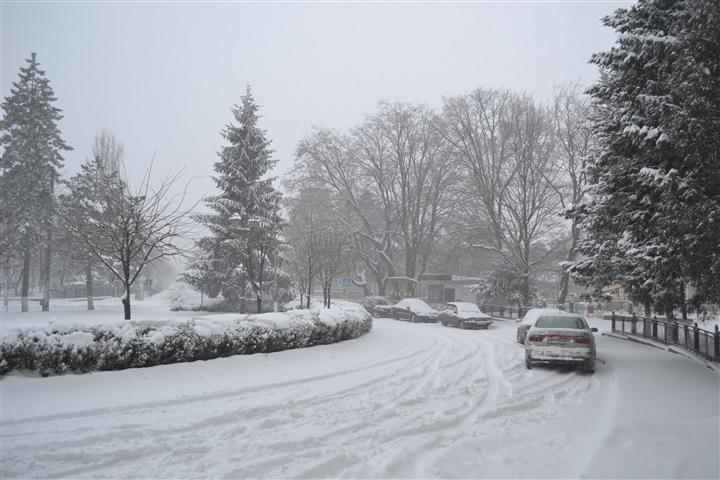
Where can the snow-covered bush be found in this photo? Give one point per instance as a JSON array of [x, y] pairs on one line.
[[120, 345]]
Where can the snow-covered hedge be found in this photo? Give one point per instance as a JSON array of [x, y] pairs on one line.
[[116, 346]]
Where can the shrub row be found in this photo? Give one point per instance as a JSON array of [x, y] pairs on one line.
[[53, 352]]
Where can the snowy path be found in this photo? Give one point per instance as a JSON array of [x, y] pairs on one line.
[[406, 400]]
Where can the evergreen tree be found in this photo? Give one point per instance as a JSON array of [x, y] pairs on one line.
[[80, 205], [653, 220], [245, 223], [31, 158]]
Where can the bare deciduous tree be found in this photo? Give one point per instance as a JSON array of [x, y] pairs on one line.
[[326, 158], [506, 144], [392, 174], [330, 248], [109, 152], [574, 138], [135, 228]]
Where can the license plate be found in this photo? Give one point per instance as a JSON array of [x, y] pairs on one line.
[[557, 340]]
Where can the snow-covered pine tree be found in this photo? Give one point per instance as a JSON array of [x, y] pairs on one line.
[[652, 219], [245, 223], [80, 205], [31, 158]]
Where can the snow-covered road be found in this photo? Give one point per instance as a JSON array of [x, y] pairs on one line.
[[406, 400]]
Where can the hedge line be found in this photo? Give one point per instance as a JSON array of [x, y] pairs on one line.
[[143, 346]]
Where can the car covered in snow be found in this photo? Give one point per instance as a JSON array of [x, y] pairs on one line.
[[529, 320], [410, 309], [371, 303], [561, 338], [464, 315]]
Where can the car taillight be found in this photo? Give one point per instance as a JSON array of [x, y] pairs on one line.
[[535, 338], [583, 340]]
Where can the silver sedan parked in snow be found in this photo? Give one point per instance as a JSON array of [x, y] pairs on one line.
[[530, 318], [561, 338]]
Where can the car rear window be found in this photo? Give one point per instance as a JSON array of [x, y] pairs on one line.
[[560, 322]]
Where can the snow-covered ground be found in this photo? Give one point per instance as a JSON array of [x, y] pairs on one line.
[[69, 311], [405, 400]]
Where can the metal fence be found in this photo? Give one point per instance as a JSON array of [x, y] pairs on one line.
[[704, 343]]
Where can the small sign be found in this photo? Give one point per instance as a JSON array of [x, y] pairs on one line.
[[344, 282]]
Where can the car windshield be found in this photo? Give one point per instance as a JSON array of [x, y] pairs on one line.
[[560, 322]]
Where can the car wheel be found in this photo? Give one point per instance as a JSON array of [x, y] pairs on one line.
[[528, 364], [588, 367]]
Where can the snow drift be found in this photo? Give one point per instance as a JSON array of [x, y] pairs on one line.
[[125, 344]]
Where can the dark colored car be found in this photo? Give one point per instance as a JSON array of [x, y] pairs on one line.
[[464, 315], [371, 303], [562, 338], [410, 309]]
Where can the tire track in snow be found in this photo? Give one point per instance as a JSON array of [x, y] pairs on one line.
[[438, 388]]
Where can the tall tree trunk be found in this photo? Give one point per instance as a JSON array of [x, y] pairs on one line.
[[126, 302], [525, 290], [329, 283], [565, 276], [379, 279], [309, 286], [259, 303], [409, 260], [25, 280], [89, 286], [648, 309], [683, 302], [126, 283], [46, 276]]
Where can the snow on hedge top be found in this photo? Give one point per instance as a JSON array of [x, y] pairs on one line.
[[79, 335]]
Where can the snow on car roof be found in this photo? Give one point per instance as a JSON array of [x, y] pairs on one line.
[[417, 304], [533, 314]]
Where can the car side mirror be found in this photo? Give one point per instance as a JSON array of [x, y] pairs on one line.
[[407, 308], [593, 329]]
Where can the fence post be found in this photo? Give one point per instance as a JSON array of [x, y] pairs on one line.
[[717, 342], [622, 317], [687, 334], [633, 326], [654, 326], [696, 338], [676, 335], [612, 321]]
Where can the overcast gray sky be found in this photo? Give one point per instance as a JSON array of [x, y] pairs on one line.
[[163, 76]]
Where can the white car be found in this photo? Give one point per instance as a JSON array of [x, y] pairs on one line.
[[529, 320], [561, 338]]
